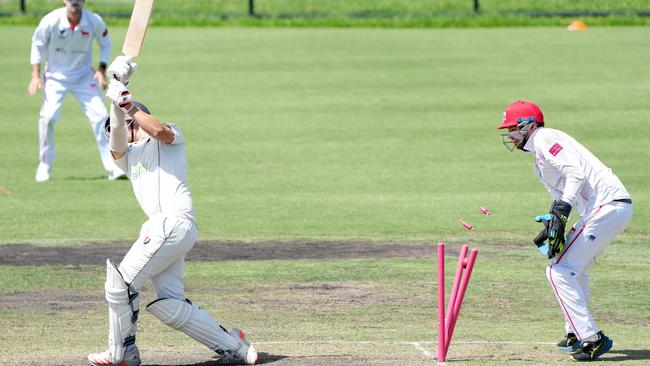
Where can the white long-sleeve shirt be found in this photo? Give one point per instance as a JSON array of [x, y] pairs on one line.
[[571, 173], [158, 173], [67, 48]]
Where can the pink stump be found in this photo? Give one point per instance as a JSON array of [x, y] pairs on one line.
[[447, 322], [442, 336], [456, 285]]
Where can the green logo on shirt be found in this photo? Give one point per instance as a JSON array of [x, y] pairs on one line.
[[138, 170]]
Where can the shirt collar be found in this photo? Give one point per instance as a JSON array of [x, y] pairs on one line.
[[66, 22]]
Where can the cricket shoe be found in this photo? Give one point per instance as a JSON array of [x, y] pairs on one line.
[[43, 172], [591, 350], [244, 355], [131, 358], [569, 344]]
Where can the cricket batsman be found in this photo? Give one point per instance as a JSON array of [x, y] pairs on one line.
[[575, 178], [152, 154]]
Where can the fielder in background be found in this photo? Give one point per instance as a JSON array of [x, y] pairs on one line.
[[153, 156], [575, 178], [64, 38]]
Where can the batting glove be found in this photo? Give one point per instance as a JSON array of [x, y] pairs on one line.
[[122, 69], [120, 95]]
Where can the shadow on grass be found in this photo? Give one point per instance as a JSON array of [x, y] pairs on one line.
[[264, 358], [72, 177], [618, 355]]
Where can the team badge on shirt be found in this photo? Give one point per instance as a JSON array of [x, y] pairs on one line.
[[555, 149], [138, 170]]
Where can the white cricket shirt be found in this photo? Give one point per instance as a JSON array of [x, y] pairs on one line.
[[67, 48], [158, 173], [571, 173]]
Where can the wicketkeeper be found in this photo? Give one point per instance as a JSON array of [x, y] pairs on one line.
[[575, 178], [152, 154]]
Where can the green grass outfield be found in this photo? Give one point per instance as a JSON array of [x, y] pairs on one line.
[[332, 133], [373, 13]]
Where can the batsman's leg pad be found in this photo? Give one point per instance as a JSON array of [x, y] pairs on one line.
[[123, 308], [195, 322]]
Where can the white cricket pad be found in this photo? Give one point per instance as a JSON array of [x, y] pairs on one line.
[[195, 322], [123, 310]]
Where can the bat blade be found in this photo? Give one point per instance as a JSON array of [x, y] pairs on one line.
[[137, 28]]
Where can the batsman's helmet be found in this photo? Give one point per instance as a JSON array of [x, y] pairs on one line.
[[521, 111], [107, 123]]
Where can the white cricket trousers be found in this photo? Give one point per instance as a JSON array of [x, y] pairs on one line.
[[89, 93], [159, 255], [567, 273]]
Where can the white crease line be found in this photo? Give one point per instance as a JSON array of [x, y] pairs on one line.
[[413, 343], [502, 342], [424, 351], [334, 342]]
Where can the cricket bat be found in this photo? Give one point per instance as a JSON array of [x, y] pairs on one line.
[[137, 28]]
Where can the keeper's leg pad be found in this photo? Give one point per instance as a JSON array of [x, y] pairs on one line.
[[195, 322], [123, 308]]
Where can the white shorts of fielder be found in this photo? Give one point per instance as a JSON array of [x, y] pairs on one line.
[[159, 255], [567, 273], [89, 94]]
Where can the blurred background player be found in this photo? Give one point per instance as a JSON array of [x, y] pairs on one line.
[[575, 178], [64, 38], [153, 156]]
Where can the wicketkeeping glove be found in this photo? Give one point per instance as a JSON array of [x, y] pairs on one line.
[[554, 225], [560, 211], [540, 239], [120, 95]]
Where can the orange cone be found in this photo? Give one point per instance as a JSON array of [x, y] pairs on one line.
[[577, 26]]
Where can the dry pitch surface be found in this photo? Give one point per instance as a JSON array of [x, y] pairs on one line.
[[317, 353]]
